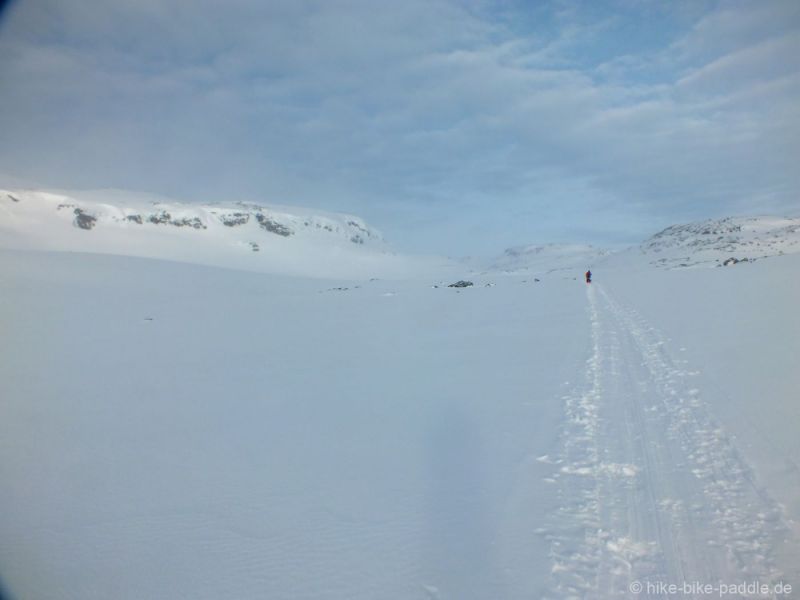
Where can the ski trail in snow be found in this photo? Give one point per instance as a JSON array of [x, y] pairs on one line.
[[651, 487]]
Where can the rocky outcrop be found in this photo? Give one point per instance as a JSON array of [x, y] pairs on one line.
[[164, 218], [235, 219], [723, 242], [84, 220], [735, 261], [273, 226]]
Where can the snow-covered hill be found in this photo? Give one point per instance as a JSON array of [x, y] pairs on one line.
[[298, 241], [239, 235], [708, 243], [547, 258], [716, 242]]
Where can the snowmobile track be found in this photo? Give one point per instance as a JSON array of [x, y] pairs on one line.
[[652, 489]]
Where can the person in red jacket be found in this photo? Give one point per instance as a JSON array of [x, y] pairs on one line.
[[588, 277]]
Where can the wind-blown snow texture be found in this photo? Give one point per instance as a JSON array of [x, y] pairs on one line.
[[175, 430]]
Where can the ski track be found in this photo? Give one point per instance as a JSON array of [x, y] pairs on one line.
[[651, 488]]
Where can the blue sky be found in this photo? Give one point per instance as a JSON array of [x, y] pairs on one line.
[[455, 127]]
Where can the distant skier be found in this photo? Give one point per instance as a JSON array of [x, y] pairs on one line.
[[588, 277]]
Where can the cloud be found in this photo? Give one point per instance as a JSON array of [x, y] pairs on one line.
[[453, 125]]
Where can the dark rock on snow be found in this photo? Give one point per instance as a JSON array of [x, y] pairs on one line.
[[273, 226], [164, 218], [235, 219], [84, 220], [733, 261]]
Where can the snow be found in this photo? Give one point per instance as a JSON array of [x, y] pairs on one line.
[[546, 259], [265, 437], [687, 507], [174, 429], [252, 237], [735, 333], [711, 242]]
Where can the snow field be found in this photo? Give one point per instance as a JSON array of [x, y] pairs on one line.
[[275, 437], [172, 430]]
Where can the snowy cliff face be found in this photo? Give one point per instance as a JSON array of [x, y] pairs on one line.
[[723, 242], [238, 235]]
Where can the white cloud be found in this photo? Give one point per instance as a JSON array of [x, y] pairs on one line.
[[436, 111]]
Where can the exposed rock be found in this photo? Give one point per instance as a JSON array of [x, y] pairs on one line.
[[273, 226], [254, 247], [164, 218], [461, 284], [235, 219], [134, 219], [84, 220], [362, 230], [13, 199], [357, 239], [195, 222]]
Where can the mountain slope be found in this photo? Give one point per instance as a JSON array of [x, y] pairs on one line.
[[239, 235], [715, 241], [547, 258]]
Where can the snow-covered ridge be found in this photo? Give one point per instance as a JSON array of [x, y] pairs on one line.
[[297, 241], [286, 240], [717, 241], [89, 214], [547, 258], [708, 243]]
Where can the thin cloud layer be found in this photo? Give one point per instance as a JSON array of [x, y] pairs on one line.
[[453, 126]]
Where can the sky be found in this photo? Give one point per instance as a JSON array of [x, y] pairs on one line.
[[456, 127]]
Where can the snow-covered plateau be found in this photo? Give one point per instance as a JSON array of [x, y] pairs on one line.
[[247, 236], [178, 421]]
